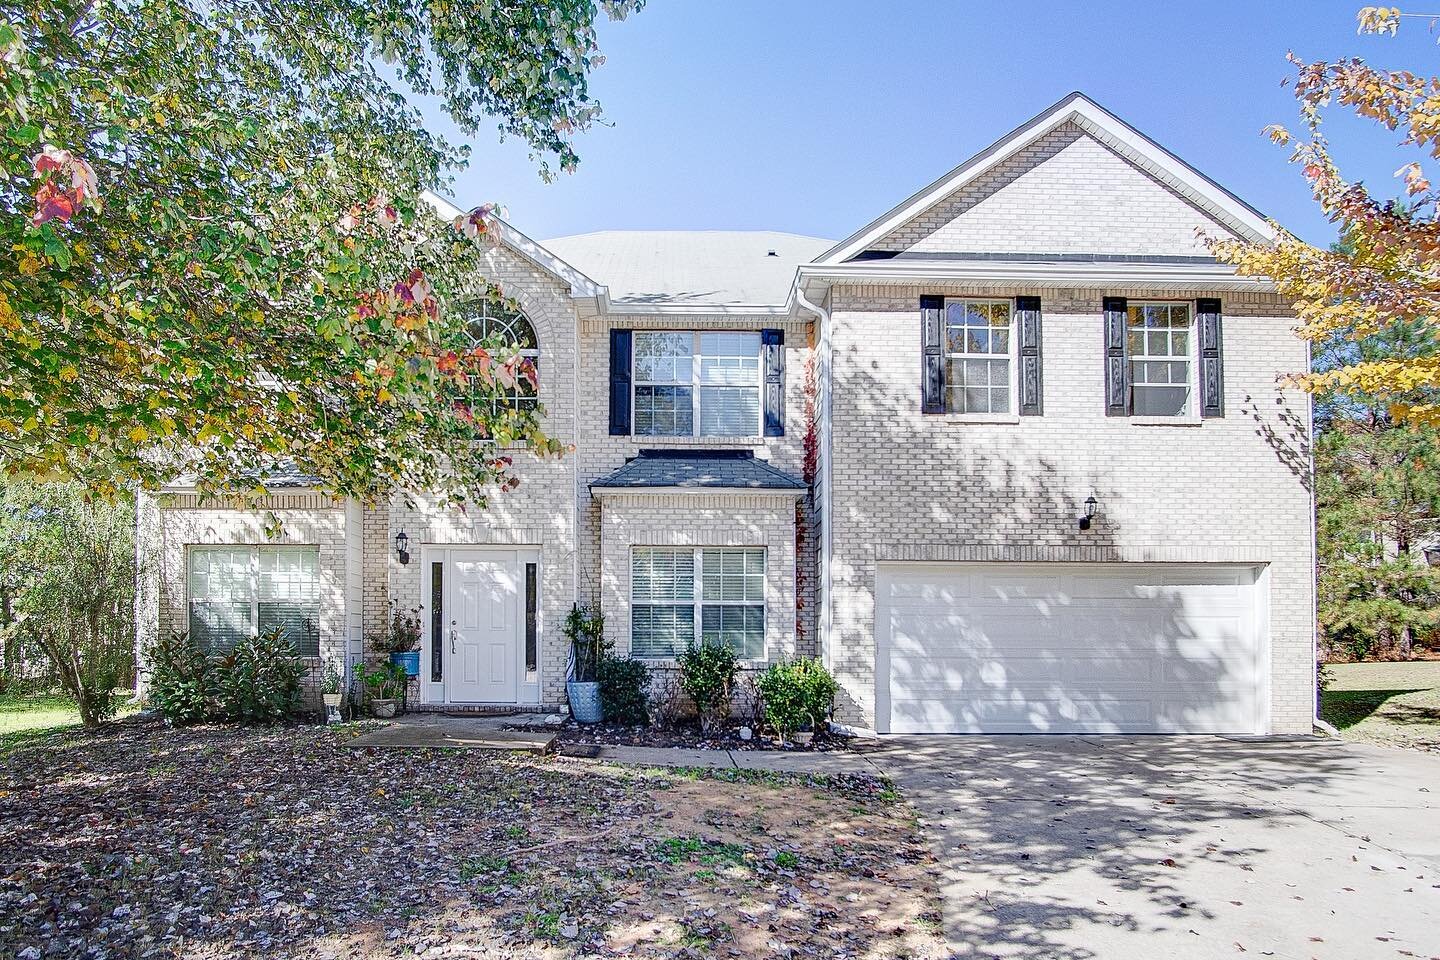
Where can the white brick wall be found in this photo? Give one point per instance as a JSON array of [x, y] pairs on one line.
[[1065, 193], [912, 487]]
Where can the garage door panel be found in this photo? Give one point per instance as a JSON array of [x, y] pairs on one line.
[[1098, 648]]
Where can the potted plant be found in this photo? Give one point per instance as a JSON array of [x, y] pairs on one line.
[[330, 684], [586, 630], [402, 642], [385, 682]]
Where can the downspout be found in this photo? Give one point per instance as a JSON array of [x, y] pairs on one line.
[[1316, 722], [825, 621]]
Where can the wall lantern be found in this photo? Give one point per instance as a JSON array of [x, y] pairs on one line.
[[402, 548], [1432, 555], [1090, 504]]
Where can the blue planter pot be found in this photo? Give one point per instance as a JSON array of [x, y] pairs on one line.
[[584, 701], [410, 661]]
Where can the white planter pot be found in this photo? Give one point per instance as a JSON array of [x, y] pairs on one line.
[[332, 700]]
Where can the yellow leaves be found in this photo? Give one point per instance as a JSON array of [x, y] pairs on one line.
[[138, 434], [30, 264], [1277, 134], [68, 373], [1378, 20], [384, 396], [9, 319]]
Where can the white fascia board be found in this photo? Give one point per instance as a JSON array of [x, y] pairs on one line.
[[697, 492], [581, 286], [1037, 273], [1224, 205]]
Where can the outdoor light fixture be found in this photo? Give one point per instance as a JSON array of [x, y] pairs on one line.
[[1432, 555], [402, 548], [1090, 504]]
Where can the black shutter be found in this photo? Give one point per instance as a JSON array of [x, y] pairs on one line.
[[932, 354], [1117, 360], [1212, 364], [772, 353], [1032, 387], [619, 383]]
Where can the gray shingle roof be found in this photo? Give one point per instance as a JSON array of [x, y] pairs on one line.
[[721, 469], [690, 266]]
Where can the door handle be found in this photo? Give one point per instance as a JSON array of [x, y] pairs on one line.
[[452, 640]]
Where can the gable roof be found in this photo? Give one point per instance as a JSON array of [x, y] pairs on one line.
[[1098, 122], [720, 267]]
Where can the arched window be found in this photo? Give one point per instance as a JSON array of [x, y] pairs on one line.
[[492, 324]]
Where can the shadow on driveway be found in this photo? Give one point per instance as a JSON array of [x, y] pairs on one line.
[[1129, 847]]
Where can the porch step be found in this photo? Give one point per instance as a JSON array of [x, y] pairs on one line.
[[472, 733], [452, 710]]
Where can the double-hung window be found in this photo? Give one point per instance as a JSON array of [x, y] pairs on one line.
[[1159, 343], [697, 384], [978, 346], [241, 591], [715, 594]]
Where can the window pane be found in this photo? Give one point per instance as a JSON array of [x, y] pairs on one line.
[[658, 575], [663, 357], [532, 613], [289, 596], [1160, 401], [733, 575], [741, 628], [729, 411], [221, 596], [730, 358], [437, 621], [663, 412], [661, 631]]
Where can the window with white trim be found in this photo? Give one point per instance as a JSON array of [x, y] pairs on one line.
[[978, 345], [492, 324], [697, 384], [241, 591], [1159, 342], [715, 594]]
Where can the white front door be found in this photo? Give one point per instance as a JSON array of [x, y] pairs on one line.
[[482, 602]]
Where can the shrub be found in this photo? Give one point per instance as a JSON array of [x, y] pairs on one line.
[[623, 686], [182, 682], [707, 673], [384, 681], [260, 679], [796, 694]]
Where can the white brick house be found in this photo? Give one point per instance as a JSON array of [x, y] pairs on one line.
[[879, 452]]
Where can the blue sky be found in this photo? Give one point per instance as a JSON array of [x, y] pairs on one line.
[[814, 117]]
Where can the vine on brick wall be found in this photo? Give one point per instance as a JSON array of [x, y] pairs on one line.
[[809, 469]]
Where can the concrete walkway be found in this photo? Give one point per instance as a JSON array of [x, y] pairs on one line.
[[779, 761], [419, 730]]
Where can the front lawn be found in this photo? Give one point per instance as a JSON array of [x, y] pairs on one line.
[[24, 717], [145, 841], [1392, 704]]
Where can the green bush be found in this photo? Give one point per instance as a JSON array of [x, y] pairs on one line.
[[623, 686], [796, 694], [182, 681], [260, 679], [707, 673]]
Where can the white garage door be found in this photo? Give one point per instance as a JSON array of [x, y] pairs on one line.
[[1062, 648]]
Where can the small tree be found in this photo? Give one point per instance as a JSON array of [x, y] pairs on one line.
[[76, 600], [707, 673]]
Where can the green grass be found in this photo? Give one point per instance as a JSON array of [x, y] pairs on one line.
[[25, 717], [1394, 704]]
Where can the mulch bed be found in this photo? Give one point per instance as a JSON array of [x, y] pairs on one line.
[[143, 841], [689, 737]]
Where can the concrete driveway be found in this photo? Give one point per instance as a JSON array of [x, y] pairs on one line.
[[1169, 848]]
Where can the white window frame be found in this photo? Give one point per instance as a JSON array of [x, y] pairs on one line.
[[1191, 414], [698, 601], [1011, 357], [254, 581], [696, 385]]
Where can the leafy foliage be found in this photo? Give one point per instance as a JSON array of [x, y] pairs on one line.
[[796, 695], [259, 679], [707, 674], [403, 635], [624, 684], [1385, 274], [182, 681], [584, 627], [215, 252], [69, 570], [384, 681]]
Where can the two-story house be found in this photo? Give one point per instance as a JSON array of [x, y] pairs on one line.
[[1016, 456]]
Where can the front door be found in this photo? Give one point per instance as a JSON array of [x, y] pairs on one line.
[[482, 598]]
